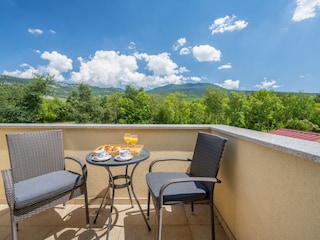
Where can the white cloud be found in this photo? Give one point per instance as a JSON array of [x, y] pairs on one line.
[[225, 66], [161, 64], [267, 85], [58, 61], [229, 84], [58, 64], [107, 68], [305, 9], [111, 69], [132, 46], [27, 73], [227, 24], [179, 43], [195, 79], [35, 31], [206, 53], [183, 69], [185, 51]]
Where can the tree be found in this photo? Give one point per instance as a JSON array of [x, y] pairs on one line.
[[165, 113], [106, 113], [197, 112], [53, 110], [21, 103], [303, 125], [216, 100], [237, 107], [300, 111], [82, 107], [317, 98], [126, 110], [315, 117], [131, 93], [265, 111], [128, 106], [174, 109], [142, 110], [155, 104], [113, 107], [10, 99]]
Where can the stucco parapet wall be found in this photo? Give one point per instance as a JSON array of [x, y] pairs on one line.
[[301, 148], [108, 126]]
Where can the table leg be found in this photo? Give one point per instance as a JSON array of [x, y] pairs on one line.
[[136, 198], [114, 186], [103, 200], [111, 204], [128, 186]]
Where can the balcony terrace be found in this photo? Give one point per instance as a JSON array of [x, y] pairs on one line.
[[270, 186]]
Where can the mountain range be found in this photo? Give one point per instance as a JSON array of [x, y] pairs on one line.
[[63, 90]]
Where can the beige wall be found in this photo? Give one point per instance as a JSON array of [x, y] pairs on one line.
[[270, 187], [268, 194], [162, 142]]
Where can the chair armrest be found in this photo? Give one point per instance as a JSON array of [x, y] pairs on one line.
[[167, 159], [80, 162], [187, 179], [8, 186]]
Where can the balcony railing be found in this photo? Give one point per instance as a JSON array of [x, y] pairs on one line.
[[270, 184]]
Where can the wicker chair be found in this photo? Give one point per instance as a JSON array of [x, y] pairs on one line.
[[169, 188], [37, 179]]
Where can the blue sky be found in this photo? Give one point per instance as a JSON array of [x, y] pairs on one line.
[[240, 45]]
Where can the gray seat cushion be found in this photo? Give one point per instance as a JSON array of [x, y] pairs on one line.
[[180, 192], [43, 187]]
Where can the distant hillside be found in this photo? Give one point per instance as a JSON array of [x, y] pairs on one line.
[[191, 90], [4, 78], [62, 90]]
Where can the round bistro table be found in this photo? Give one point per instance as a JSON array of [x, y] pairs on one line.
[[127, 179]]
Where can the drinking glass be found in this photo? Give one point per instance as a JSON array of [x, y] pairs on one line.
[[134, 139], [127, 138]]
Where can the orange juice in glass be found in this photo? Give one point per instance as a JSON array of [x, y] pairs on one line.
[[134, 139], [127, 138]]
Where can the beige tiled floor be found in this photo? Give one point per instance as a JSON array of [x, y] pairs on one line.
[[69, 223]]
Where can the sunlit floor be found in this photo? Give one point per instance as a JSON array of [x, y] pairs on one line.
[[69, 223]]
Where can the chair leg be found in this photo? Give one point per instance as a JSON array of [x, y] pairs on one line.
[[14, 230], [159, 229], [86, 203], [212, 220], [192, 208], [148, 209]]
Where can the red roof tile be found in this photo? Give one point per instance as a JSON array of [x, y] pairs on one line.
[[309, 136]]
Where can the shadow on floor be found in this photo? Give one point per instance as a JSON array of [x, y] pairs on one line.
[[68, 223]]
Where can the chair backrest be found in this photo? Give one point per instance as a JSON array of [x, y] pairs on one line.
[[207, 155], [35, 153]]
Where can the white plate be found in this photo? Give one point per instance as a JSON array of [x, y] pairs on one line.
[[118, 158], [101, 159]]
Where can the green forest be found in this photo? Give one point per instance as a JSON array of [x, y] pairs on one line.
[[262, 110]]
